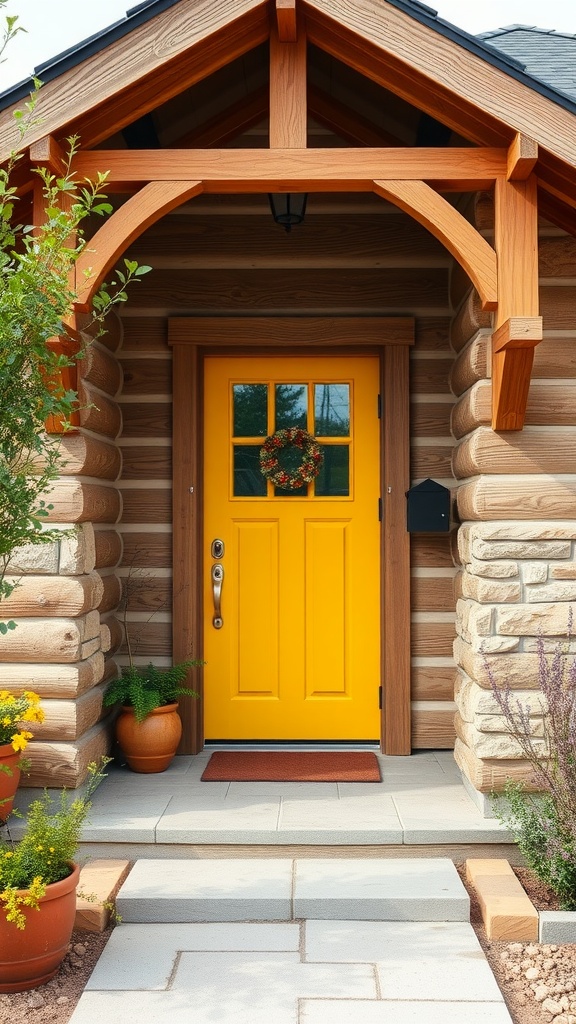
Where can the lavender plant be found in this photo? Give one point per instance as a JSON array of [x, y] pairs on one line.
[[543, 822]]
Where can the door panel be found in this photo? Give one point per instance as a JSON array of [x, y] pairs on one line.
[[298, 654]]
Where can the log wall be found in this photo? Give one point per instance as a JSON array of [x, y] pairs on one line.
[[517, 503], [66, 591]]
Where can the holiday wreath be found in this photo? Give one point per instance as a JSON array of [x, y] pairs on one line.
[[305, 472]]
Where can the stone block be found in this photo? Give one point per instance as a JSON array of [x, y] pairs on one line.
[[533, 620], [521, 549], [492, 570], [507, 912], [475, 702], [488, 591], [493, 745], [495, 644], [512, 529], [557, 926], [464, 541], [480, 620], [491, 775], [549, 645], [498, 724], [564, 590], [563, 572], [535, 572], [40, 559], [78, 550], [99, 880], [519, 669]]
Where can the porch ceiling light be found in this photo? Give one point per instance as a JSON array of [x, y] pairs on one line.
[[288, 208]]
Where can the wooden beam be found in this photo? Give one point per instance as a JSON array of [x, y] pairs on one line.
[[518, 332], [116, 234], [291, 331], [516, 242], [448, 225], [261, 170], [48, 153], [522, 158], [286, 23], [288, 119]]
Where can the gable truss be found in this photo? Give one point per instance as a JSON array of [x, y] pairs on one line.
[[505, 277]]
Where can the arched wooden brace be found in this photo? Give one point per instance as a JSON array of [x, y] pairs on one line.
[[144, 208], [465, 244]]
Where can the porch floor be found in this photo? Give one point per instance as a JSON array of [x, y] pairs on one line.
[[421, 802]]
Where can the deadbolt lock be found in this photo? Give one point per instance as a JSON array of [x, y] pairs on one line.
[[217, 548]]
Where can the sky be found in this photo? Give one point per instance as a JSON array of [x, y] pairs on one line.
[[54, 25]]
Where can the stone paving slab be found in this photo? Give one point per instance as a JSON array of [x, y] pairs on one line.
[[420, 801], [247, 889], [208, 890], [328, 1011], [383, 890], [340, 972], [410, 957], [142, 956]]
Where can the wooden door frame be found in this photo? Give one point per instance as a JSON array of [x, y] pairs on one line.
[[194, 338]]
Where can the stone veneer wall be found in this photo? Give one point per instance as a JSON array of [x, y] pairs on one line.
[[517, 504]]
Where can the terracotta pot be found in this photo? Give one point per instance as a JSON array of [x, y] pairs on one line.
[[8, 780], [32, 956], [149, 746]]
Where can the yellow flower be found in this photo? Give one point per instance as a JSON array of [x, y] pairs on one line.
[[19, 741], [6, 721], [8, 853]]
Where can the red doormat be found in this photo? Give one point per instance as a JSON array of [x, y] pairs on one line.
[[292, 766]]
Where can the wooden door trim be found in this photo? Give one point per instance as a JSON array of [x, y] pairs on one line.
[[188, 356]]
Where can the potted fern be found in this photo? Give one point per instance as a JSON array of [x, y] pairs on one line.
[[148, 727]]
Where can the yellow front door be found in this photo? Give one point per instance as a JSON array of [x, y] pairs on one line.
[[292, 577]]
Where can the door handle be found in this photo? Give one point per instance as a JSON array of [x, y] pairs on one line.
[[217, 581]]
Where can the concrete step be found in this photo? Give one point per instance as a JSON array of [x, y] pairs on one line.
[[270, 889]]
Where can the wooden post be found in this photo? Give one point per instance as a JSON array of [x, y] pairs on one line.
[[396, 725], [516, 242], [288, 111]]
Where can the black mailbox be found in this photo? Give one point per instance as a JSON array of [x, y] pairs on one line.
[[428, 508]]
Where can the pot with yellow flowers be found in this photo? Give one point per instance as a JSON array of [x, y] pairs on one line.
[[16, 713], [38, 879]]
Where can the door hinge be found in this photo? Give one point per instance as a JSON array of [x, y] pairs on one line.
[[379, 510], [380, 698], [379, 407]]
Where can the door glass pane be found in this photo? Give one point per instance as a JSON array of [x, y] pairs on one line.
[[250, 410], [332, 410], [333, 479], [248, 480], [291, 406]]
